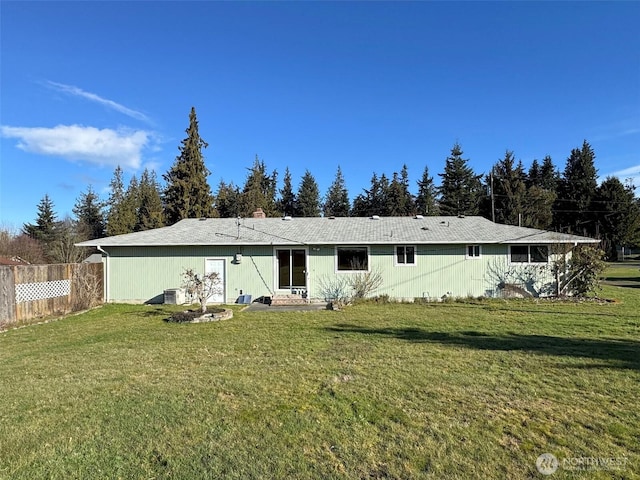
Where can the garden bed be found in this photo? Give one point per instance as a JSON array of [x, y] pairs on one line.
[[196, 316]]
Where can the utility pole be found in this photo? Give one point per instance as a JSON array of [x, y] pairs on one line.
[[493, 201]]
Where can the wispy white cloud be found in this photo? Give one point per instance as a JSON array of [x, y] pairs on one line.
[[78, 92], [623, 128], [626, 175], [633, 170], [104, 147]]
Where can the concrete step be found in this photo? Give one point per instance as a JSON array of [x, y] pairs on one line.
[[288, 300]]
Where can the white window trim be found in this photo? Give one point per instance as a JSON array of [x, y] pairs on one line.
[[476, 257], [352, 247], [395, 256], [529, 262]]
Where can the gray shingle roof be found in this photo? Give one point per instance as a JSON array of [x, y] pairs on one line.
[[338, 231]]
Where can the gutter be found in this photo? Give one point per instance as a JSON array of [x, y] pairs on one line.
[[105, 279]]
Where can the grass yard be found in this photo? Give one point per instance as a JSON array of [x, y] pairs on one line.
[[451, 390]]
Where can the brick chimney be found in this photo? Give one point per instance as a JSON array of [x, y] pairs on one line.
[[259, 214]]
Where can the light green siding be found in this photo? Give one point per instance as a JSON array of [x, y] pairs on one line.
[[141, 274], [439, 270]]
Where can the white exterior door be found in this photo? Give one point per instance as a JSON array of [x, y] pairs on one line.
[[216, 265]]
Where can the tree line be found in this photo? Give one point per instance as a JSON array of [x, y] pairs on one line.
[[541, 196]]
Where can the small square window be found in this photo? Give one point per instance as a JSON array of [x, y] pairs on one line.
[[473, 251], [405, 255]]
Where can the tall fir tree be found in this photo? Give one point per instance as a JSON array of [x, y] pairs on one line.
[[121, 214], [89, 214], [259, 191], [44, 230], [149, 213], [534, 175], [461, 188], [187, 193], [308, 204], [361, 207], [618, 214], [538, 208], [336, 202], [541, 194], [399, 201], [509, 190], [373, 201], [287, 200], [549, 175], [426, 199], [227, 200], [577, 189]]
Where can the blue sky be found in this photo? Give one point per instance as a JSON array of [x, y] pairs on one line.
[[369, 86]]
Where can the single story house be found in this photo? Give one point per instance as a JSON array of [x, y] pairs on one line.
[[417, 257]]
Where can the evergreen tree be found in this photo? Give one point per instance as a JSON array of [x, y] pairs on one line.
[[121, 215], [44, 230], [259, 191], [308, 204], [187, 194], [576, 191], [461, 187], [509, 190], [361, 206], [373, 201], [379, 195], [618, 215], [541, 181], [399, 201], [549, 176], [89, 214], [287, 201], [336, 202], [538, 208], [534, 176], [227, 200], [426, 198], [147, 196]]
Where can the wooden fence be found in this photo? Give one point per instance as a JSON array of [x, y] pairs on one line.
[[31, 291]]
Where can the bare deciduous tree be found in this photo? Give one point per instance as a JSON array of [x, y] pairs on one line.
[[201, 286]]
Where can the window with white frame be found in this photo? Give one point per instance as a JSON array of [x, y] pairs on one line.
[[405, 255], [529, 254], [352, 259], [474, 251]]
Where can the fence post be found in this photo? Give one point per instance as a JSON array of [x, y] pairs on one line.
[[7, 295]]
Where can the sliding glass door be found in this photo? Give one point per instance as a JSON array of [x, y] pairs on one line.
[[292, 268]]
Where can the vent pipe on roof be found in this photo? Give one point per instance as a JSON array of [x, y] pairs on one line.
[[375, 217], [418, 217], [287, 217]]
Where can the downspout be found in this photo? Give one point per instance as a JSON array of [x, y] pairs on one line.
[[105, 279]]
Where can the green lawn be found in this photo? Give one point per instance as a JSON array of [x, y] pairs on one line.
[[451, 390]]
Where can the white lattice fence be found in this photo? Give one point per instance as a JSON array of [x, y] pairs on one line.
[[27, 292], [39, 290]]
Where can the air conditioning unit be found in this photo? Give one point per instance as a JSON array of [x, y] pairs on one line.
[[174, 296]]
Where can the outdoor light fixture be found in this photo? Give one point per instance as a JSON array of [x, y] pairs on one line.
[[238, 258]]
